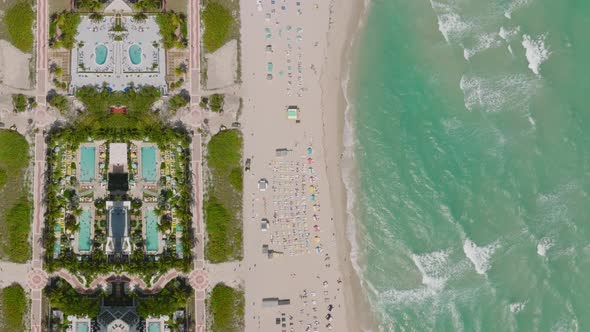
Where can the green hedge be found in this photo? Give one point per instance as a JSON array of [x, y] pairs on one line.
[[223, 207], [218, 22], [19, 23], [14, 307], [226, 306], [64, 297], [18, 221]]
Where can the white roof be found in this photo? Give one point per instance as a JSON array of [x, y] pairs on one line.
[[118, 154], [118, 6]]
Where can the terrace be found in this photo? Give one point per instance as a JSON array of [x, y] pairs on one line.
[[119, 50]]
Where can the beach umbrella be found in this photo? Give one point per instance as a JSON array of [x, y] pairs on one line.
[[316, 228], [309, 150], [316, 239], [309, 161]]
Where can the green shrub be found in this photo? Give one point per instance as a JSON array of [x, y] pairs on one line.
[[226, 306], [68, 25], [3, 177], [174, 296], [18, 219], [19, 102], [219, 220], [19, 23], [177, 101], [147, 5], [60, 102], [216, 102], [236, 178], [89, 5], [218, 21], [14, 306], [65, 298], [223, 208], [14, 152], [169, 22], [225, 151]]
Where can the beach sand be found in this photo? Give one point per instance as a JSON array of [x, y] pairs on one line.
[[288, 61]]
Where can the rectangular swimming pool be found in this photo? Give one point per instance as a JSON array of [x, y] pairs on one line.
[[82, 327], [148, 163], [84, 232], [153, 327], [179, 247], [151, 221], [87, 163]]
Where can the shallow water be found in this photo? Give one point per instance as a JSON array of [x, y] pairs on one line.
[[471, 126]]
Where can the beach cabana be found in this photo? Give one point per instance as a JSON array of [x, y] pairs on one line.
[[293, 113]]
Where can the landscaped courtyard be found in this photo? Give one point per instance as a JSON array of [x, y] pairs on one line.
[[118, 50]]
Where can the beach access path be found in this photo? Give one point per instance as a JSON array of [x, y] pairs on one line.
[[195, 54]]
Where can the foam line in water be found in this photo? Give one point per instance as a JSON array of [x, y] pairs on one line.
[[450, 23], [517, 307], [535, 51], [480, 256], [544, 245]]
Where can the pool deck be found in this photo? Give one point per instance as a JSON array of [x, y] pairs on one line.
[[145, 208], [89, 206], [79, 160], [118, 70], [141, 145]]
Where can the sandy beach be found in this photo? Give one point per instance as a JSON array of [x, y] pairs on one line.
[[294, 55]]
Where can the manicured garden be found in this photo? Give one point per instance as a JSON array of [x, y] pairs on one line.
[[138, 123], [174, 29], [63, 28], [223, 204], [64, 297], [13, 308], [173, 297], [19, 23], [226, 308], [15, 208]]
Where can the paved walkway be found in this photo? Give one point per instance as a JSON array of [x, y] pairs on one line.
[[194, 58], [199, 249], [38, 212]]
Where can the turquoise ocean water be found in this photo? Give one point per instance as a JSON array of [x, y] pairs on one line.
[[472, 128]]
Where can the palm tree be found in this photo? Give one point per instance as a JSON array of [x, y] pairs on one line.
[[140, 17], [89, 5], [96, 17]]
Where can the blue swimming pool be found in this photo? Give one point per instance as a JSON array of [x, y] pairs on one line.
[[100, 53], [148, 163], [84, 232], [82, 327], [151, 221], [135, 54], [87, 163], [179, 247], [154, 327]]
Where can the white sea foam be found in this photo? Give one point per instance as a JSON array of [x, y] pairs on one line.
[[480, 256], [509, 34], [433, 267], [517, 307], [535, 51], [515, 5], [484, 42], [544, 245], [493, 94], [450, 23]]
